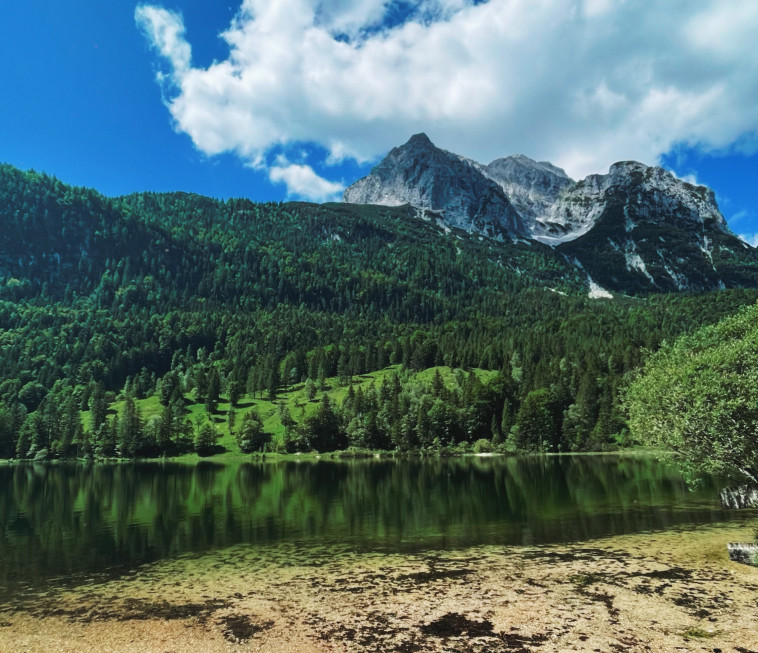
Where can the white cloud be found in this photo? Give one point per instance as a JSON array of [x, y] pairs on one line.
[[166, 31], [303, 183], [690, 177], [581, 83], [750, 239], [740, 215]]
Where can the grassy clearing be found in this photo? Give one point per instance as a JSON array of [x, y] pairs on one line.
[[294, 399]]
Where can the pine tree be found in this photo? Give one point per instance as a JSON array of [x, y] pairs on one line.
[[130, 427], [205, 441], [251, 436], [214, 390], [98, 407]]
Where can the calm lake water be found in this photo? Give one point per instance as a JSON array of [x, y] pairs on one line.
[[63, 522]]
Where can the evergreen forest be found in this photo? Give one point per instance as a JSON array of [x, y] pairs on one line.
[[161, 324]]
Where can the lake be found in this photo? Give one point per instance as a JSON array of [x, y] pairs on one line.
[[65, 523]]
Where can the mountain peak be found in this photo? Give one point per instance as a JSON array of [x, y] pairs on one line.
[[420, 139], [431, 179], [660, 232], [532, 186], [627, 167]]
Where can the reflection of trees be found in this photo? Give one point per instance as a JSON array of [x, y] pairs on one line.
[[62, 518]]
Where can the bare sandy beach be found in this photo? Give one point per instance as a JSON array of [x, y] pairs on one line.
[[671, 591]]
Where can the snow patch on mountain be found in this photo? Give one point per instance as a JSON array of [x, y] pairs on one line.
[[630, 210], [518, 196], [679, 279], [598, 292], [634, 260]]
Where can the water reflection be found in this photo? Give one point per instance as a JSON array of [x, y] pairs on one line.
[[64, 519]]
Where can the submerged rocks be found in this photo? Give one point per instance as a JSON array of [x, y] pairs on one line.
[[739, 498]]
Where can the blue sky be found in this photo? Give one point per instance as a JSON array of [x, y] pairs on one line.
[[300, 100]]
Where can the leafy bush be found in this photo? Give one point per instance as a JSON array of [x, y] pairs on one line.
[[698, 398], [251, 436], [482, 446]]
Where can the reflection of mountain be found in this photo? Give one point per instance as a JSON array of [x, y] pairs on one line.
[[60, 519]]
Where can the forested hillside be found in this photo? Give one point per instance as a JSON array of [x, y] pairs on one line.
[[198, 301]]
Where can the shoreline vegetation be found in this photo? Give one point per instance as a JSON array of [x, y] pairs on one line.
[[162, 309], [438, 411], [232, 457]]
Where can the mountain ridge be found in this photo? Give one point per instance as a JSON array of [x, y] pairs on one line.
[[611, 218], [432, 179]]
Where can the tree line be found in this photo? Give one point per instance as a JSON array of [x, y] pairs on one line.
[[104, 298]]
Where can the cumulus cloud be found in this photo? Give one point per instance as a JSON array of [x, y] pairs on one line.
[[581, 83], [690, 177], [166, 31], [303, 183]]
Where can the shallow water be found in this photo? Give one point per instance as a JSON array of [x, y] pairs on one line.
[[66, 523]]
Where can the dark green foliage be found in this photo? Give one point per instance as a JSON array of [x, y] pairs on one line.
[[31, 395], [214, 389], [196, 299], [168, 387], [323, 431], [106, 438], [98, 407], [251, 436], [535, 427], [130, 429], [206, 438], [8, 433]]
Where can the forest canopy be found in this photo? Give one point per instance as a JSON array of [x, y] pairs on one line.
[[121, 319]]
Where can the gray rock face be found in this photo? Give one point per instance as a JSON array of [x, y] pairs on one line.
[[739, 498], [640, 229], [517, 196], [532, 186], [636, 229], [646, 193], [744, 553], [431, 179]]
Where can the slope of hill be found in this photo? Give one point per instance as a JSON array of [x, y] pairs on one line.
[[102, 298]]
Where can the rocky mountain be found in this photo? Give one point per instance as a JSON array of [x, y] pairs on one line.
[[639, 228], [636, 229], [441, 184], [532, 186], [651, 192]]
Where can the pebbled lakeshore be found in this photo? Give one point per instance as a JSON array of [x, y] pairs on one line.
[[668, 591]]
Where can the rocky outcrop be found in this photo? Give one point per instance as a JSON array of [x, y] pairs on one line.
[[644, 193], [746, 554], [431, 179], [639, 228], [738, 498], [636, 229], [533, 187]]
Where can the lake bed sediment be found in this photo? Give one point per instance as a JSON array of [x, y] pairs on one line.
[[674, 590]]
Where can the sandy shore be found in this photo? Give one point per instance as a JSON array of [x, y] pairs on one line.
[[673, 591]]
